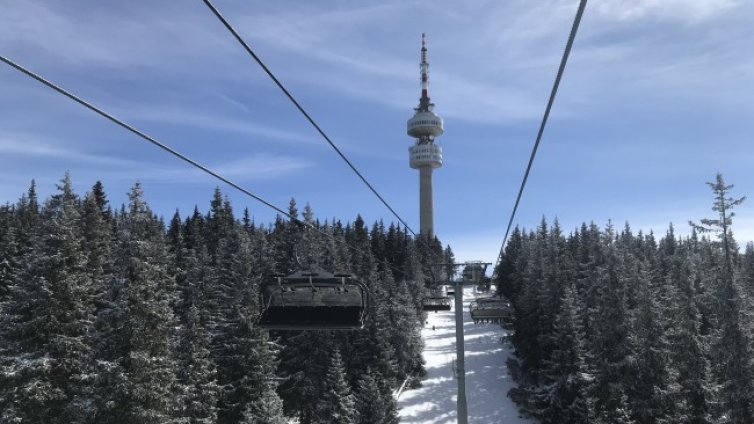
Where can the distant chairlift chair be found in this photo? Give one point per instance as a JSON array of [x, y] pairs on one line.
[[492, 310], [314, 300], [436, 299]]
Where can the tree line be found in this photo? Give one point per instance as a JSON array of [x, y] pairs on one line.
[[616, 327], [117, 316]]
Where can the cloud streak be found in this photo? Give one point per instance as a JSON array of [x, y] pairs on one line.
[[251, 168]]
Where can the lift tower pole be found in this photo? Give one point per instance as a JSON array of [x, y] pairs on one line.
[[463, 413], [473, 273]]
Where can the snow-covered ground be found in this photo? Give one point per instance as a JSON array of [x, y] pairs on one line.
[[487, 379]]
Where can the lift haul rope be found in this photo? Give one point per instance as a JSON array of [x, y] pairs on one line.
[[174, 152], [561, 69], [308, 117], [303, 112]]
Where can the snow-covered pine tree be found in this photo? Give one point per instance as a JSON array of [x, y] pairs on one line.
[[610, 346], [747, 269], [648, 383], [373, 406], [27, 217], [9, 251], [242, 353], [267, 410], [568, 400], [374, 347], [46, 321], [311, 248], [362, 260], [731, 349], [378, 241], [405, 325], [689, 349], [247, 363], [304, 361], [530, 331], [336, 404], [196, 389], [98, 236], [285, 235], [619, 414], [196, 377], [137, 377], [508, 278]]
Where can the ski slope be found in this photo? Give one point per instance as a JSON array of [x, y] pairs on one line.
[[487, 379]]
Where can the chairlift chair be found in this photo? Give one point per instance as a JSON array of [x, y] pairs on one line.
[[491, 310], [436, 299], [474, 273], [314, 300]]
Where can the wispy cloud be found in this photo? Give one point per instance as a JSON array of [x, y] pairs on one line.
[[251, 168], [684, 11], [30, 146], [248, 168], [109, 36], [185, 116]]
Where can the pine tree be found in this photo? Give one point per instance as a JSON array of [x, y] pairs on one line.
[[649, 384], [747, 271], [98, 238], [196, 379], [373, 406], [336, 404], [47, 319], [732, 351], [138, 370], [404, 327], [722, 224], [245, 362], [304, 361], [246, 368], [567, 368], [689, 351], [267, 410], [9, 254], [610, 342], [286, 234], [27, 213]]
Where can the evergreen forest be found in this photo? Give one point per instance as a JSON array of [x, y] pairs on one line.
[[614, 327], [115, 315], [112, 315]]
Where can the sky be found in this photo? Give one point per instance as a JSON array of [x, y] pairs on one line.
[[656, 99]]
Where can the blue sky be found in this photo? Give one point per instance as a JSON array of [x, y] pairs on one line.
[[656, 99]]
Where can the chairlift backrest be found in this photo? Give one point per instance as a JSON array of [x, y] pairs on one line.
[[314, 300]]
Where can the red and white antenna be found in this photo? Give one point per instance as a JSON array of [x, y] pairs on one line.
[[424, 66]]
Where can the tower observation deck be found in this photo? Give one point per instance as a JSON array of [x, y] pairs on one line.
[[425, 155]]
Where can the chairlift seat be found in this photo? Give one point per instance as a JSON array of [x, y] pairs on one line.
[[436, 304], [314, 300], [492, 310]]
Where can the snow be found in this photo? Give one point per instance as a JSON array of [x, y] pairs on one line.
[[487, 379]]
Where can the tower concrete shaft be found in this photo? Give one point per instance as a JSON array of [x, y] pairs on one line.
[[426, 211], [425, 155]]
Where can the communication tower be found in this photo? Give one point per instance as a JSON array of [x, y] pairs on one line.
[[425, 155]]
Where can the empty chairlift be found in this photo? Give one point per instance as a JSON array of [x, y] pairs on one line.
[[492, 310], [314, 300], [436, 299], [474, 273]]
